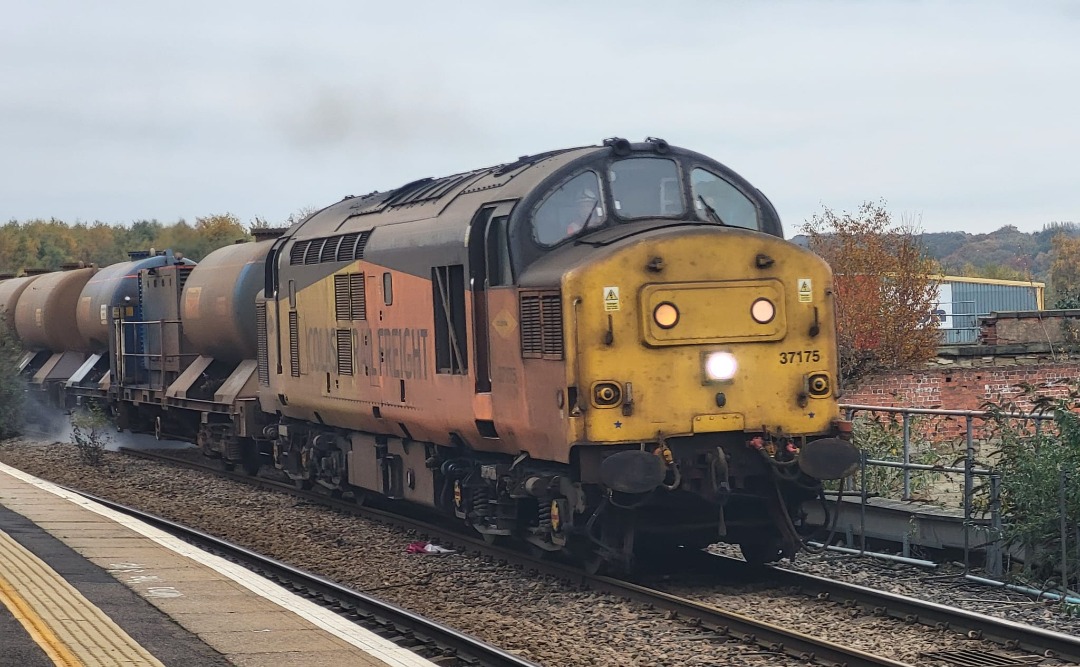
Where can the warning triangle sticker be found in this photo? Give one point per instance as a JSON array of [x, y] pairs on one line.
[[610, 296]]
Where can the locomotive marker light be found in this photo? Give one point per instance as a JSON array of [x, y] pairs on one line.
[[763, 311], [666, 315], [720, 366], [818, 385], [606, 394]]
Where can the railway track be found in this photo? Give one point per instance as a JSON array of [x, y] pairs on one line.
[[723, 624]]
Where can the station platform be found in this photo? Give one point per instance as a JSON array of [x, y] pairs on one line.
[[83, 585]]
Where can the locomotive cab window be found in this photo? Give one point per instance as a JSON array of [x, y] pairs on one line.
[[716, 200], [575, 206], [646, 188]]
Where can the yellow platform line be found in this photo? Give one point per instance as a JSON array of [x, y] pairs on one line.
[[71, 630], [36, 627]]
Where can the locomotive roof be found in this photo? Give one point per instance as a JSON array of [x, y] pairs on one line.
[[428, 197]]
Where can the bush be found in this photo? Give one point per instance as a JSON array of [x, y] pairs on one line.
[[1035, 469], [90, 434], [12, 387], [881, 437]]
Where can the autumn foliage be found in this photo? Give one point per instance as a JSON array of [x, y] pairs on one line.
[[885, 291], [48, 244], [1065, 271]]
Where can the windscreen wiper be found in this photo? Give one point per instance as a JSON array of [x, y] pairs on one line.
[[712, 212]]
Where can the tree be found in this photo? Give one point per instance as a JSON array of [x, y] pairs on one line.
[[993, 272], [216, 231], [12, 390], [885, 291], [1065, 271], [301, 214]]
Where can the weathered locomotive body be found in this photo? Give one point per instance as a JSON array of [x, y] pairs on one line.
[[573, 349], [591, 350]]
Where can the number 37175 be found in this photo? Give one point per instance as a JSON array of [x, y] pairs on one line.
[[800, 357]]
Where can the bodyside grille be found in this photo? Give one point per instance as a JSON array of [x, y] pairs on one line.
[[344, 352], [541, 325], [294, 344], [341, 297], [357, 297], [350, 300], [263, 352]]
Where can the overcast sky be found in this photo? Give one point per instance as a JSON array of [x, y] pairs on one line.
[[961, 115]]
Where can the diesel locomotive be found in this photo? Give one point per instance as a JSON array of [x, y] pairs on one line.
[[592, 350]]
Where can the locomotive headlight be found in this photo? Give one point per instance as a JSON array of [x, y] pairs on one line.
[[720, 366], [762, 311], [666, 315]]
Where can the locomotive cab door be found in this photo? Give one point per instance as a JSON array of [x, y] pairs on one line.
[[489, 266]]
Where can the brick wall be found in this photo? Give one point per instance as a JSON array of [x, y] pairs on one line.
[[955, 387], [1042, 326], [966, 383]]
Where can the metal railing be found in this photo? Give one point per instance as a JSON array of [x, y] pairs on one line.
[[994, 542], [152, 337]]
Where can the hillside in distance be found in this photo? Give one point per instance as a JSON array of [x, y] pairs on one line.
[[1005, 253]]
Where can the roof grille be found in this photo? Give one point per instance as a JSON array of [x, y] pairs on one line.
[[342, 248]]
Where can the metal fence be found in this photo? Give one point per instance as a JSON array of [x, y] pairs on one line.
[[987, 528]]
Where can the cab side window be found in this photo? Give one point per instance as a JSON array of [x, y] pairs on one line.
[[716, 200], [574, 206]]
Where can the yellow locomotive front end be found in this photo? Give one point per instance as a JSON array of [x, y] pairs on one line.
[[719, 330], [707, 359]]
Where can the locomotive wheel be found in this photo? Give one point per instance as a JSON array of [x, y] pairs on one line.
[[302, 484], [250, 461], [760, 552]]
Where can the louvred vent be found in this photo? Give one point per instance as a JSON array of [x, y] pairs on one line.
[[294, 344], [343, 248], [263, 353], [344, 352], [541, 325], [341, 297]]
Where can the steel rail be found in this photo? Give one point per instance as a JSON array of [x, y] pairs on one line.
[[410, 630], [725, 623], [1009, 634]]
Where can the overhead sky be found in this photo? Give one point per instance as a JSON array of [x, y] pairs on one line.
[[963, 116]]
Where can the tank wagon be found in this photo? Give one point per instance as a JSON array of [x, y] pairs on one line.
[[104, 295], [591, 350], [44, 323]]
